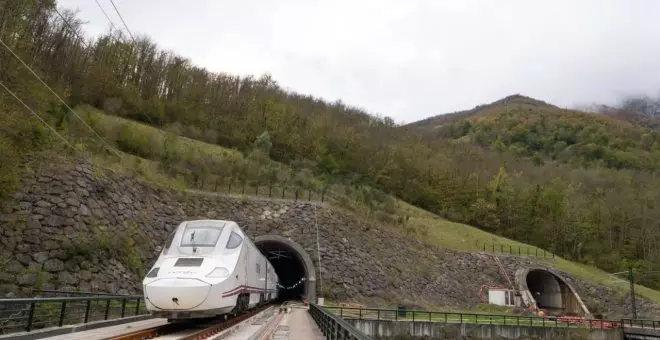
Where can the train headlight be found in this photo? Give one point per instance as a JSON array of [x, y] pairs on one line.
[[153, 273], [219, 272]]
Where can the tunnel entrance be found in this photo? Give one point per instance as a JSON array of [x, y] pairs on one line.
[[543, 289], [294, 267]]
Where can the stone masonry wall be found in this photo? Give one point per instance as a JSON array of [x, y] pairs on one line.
[[77, 227]]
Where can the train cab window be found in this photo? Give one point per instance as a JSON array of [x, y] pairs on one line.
[[234, 241], [200, 236], [169, 241]]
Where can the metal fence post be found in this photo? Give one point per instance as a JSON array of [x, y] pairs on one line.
[[87, 305], [137, 307], [309, 195], [62, 312], [107, 309], [123, 307], [30, 317]]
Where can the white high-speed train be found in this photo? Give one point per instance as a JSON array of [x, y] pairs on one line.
[[208, 268]]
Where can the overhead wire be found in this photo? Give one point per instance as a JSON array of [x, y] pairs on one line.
[[122, 20], [36, 115], [106, 16], [121, 40], [66, 22], [59, 98]]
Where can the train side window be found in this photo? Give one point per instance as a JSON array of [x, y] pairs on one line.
[[234, 241]]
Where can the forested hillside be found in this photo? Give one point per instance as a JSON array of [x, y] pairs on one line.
[[581, 185]]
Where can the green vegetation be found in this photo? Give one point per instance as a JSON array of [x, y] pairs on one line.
[[582, 186], [440, 232], [565, 136]]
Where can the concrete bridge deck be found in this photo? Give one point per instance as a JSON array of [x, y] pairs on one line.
[[297, 324]]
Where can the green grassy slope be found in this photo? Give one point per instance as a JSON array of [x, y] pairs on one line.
[[462, 237], [428, 227]]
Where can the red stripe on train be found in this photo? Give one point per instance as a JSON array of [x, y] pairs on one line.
[[244, 289]]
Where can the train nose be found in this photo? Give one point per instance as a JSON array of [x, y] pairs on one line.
[[177, 294]]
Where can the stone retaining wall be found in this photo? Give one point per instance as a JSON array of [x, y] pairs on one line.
[[77, 227]]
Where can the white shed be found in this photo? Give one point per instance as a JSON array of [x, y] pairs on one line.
[[501, 296]]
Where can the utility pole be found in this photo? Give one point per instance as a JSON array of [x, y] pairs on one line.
[[632, 292]]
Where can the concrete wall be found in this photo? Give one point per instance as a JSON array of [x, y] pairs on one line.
[[388, 329]]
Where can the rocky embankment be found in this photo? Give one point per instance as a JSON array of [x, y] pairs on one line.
[[78, 227]]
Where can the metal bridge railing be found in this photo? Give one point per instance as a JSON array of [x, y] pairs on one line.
[[471, 318], [334, 327], [65, 293], [28, 314], [640, 323]]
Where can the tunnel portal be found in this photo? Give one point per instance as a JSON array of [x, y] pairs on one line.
[[548, 291], [292, 264]]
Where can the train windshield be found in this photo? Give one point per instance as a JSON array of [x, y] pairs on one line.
[[201, 236]]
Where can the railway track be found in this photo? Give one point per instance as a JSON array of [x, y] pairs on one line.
[[172, 328]]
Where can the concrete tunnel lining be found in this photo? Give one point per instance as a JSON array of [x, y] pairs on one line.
[[301, 255], [556, 292]]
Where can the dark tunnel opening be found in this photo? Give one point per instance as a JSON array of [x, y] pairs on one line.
[[552, 294], [289, 267]]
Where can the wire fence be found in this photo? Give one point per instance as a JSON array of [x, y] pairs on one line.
[[278, 191], [515, 250], [273, 191]]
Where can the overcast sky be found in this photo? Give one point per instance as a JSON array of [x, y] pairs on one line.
[[410, 59]]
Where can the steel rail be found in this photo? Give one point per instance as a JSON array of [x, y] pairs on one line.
[[217, 328]]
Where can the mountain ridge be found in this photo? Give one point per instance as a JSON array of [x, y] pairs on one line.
[[462, 114]]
